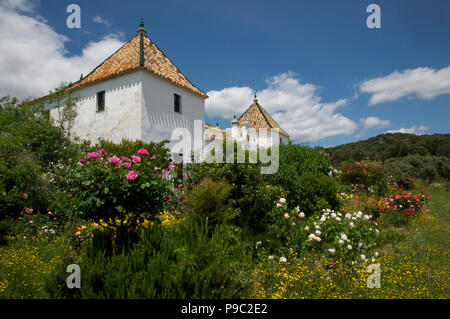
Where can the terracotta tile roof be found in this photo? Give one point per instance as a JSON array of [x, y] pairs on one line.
[[259, 118], [218, 132], [128, 58]]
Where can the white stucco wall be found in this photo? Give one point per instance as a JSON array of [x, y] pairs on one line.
[[122, 115], [138, 105], [158, 117]]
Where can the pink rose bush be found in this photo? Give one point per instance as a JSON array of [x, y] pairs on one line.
[[130, 188]]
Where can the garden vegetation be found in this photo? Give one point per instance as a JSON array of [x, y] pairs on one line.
[[140, 226]]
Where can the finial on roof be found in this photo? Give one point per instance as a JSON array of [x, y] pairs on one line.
[[255, 99], [141, 27], [217, 124], [81, 76]]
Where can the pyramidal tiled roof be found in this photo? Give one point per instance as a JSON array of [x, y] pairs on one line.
[[139, 53], [259, 118]]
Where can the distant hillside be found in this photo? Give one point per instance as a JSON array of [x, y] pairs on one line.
[[389, 145]]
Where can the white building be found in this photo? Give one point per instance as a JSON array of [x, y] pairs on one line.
[[137, 93], [248, 129]]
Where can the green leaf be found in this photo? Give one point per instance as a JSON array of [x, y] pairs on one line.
[[119, 208]]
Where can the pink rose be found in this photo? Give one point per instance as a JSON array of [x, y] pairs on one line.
[[132, 175], [171, 167], [83, 160], [125, 159], [127, 165], [180, 186], [135, 159], [25, 196], [30, 221], [102, 151], [143, 151], [114, 160], [94, 155]]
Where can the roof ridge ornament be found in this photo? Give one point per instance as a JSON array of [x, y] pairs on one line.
[[141, 27], [255, 99]]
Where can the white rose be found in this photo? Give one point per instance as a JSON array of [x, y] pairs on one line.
[[301, 215], [283, 260], [341, 242], [318, 239], [344, 237], [306, 228], [318, 233], [286, 215], [270, 257], [332, 251], [282, 200], [349, 247], [363, 257], [338, 219], [297, 209], [333, 215], [278, 205], [351, 225], [317, 227]]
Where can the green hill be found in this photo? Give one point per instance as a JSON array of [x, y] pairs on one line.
[[391, 145]]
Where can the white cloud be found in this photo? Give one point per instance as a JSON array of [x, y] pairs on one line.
[[419, 130], [98, 19], [33, 58], [296, 107], [423, 83], [374, 122]]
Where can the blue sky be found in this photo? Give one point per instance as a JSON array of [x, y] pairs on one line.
[[323, 75]]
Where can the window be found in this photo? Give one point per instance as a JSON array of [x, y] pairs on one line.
[[177, 103], [101, 101]]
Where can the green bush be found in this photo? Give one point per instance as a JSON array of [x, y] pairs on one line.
[[21, 182], [365, 177], [315, 193], [210, 200], [250, 193], [6, 229], [296, 160], [121, 192], [168, 262], [415, 167]]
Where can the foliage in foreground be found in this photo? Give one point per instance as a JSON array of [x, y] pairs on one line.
[[168, 262]]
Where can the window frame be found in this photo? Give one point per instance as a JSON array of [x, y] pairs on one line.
[[103, 107], [177, 97]]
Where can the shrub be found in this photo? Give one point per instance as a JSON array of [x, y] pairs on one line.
[[314, 193], [127, 189], [6, 229], [210, 200], [21, 183], [415, 167], [168, 262], [349, 237], [365, 177], [294, 161], [160, 153], [249, 192]]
